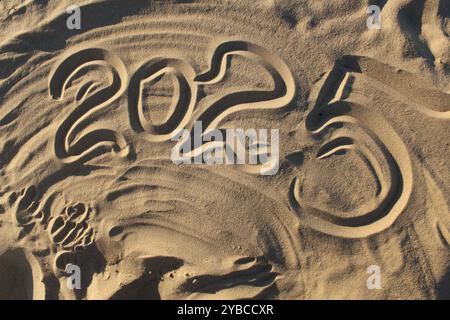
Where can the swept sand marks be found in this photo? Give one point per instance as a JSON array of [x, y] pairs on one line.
[[152, 208], [338, 109], [97, 141], [249, 278]]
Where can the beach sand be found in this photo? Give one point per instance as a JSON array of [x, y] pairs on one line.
[[357, 207]]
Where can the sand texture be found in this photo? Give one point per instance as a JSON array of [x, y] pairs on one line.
[[86, 124]]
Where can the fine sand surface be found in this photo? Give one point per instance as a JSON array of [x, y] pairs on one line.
[[86, 176]]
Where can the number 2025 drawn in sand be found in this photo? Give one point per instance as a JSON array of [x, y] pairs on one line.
[[336, 105], [183, 115]]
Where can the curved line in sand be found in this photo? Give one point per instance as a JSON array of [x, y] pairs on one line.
[[245, 100], [183, 101], [280, 96], [97, 141], [395, 186]]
